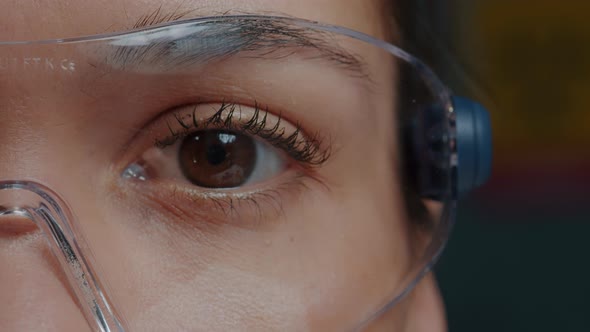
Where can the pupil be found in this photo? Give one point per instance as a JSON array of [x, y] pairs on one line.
[[217, 158], [216, 154]]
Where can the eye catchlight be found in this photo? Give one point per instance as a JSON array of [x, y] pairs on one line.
[[220, 172]]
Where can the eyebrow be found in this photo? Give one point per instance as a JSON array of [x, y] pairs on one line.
[[226, 36]]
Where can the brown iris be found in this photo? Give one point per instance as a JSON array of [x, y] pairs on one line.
[[217, 158]]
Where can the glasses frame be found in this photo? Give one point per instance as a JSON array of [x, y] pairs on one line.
[[68, 245]]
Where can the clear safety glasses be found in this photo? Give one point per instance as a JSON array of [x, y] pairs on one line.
[[228, 173]]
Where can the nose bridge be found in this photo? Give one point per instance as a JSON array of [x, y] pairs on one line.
[[20, 131], [50, 266], [22, 202], [21, 150], [33, 124]]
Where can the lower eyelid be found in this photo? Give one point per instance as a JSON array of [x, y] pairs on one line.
[[258, 207]]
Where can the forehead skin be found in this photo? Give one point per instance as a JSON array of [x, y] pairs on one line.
[[34, 20]]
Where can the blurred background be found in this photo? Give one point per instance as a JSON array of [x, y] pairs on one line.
[[518, 256]]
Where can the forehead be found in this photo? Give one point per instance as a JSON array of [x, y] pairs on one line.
[[32, 20]]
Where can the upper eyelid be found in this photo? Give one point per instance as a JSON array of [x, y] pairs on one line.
[[227, 120], [311, 150]]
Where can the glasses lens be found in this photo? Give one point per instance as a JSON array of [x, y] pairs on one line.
[[237, 173]]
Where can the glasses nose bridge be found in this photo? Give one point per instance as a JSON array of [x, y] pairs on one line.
[[22, 202], [31, 280]]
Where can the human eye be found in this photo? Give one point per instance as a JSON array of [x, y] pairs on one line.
[[236, 161]]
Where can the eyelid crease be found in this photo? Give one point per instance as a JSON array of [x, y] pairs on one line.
[[310, 152]]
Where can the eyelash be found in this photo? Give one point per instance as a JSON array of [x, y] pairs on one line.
[[309, 152]]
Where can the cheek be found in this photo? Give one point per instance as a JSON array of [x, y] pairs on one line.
[[362, 256], [224, 298], [332, 261]]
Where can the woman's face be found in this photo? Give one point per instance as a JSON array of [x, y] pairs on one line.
[[255, 192]]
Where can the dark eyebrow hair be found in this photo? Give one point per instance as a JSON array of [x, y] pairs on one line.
[[158, 17], [227, 36]]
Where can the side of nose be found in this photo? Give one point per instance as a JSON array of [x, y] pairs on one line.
[[47, 279], [34, 292]]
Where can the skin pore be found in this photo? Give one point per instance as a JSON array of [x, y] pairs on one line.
[[222, 287]]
